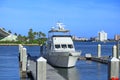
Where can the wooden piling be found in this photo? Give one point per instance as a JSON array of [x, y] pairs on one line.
[[118, 48], [99, 50], [114, 51], [21, 49], [113, 69], [24, 59], [41, 69]]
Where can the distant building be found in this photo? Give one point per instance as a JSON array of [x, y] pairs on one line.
[[117, 37], [94, 39], [79, 38], [102, 36]]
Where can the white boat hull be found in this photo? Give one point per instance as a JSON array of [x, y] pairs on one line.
[[59, 49], [62, 60]]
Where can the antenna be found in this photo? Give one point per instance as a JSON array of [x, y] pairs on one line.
[[60, 26]]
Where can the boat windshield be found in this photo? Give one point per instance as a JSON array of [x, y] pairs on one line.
[[64, 46], [57, 46], [70, 46]]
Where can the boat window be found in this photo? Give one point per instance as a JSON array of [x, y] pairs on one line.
[[57, 46], [64, 46], [70, 46]]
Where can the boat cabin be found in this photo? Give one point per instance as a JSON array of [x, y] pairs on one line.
[[60, 39]]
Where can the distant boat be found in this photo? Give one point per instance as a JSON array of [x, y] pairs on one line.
[[59, 49]]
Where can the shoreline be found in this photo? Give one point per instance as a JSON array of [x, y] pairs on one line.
[[16, 44], [5, 44]]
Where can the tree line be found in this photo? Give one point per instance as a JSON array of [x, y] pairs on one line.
[[32, 38]]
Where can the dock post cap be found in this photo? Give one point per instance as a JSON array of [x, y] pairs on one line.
[[42, 59], [114, 46], [20, 44], [114, 59], [24, 48], [99, 44]]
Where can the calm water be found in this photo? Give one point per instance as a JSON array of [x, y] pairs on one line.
[[88, 70], [9, 64], [84, 70], [91, 47]]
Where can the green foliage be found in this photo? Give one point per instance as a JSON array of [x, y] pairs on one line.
[[32, 38], [9, 42]]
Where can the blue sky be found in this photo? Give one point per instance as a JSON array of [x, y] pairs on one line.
[[85, 18]]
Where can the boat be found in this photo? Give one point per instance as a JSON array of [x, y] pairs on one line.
[[59, 49]]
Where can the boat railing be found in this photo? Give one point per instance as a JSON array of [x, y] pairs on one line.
[[61, 36], [63, 52], [66, 51]]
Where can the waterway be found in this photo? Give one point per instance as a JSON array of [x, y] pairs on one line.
[[9, 63], [83, 70]]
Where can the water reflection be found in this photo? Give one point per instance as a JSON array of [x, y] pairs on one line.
[[69, 73], [85, 70], [89, 70]]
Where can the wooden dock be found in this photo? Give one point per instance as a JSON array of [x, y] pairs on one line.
[[96, 59], [9, 65], [101, 59], [51, 72]]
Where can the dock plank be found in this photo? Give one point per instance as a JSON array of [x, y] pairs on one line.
[[51, 72]]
